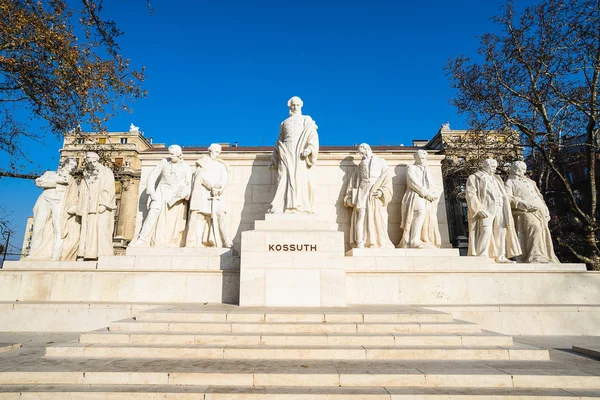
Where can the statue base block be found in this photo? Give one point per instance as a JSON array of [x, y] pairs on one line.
[[293, 260]]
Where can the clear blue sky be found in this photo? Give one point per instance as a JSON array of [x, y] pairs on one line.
[[222, 71]]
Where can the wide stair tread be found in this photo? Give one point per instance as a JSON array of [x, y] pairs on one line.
[[168, 392], [292, 338], [244, 326], [514, 352]]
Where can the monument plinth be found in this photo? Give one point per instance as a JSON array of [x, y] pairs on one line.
[[293, 260]]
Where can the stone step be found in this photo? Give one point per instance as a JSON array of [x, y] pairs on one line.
[[249, 316], [515, 352], [315, 339], [295, 327], [168, 392], [248, 373]]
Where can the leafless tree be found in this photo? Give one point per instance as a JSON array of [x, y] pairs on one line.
[[539, 75]]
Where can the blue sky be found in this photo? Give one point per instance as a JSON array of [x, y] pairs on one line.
[[222, 71]]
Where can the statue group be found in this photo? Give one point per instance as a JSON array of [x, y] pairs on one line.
[[510, 219], [170, 222], [74, 221], [506, 219]]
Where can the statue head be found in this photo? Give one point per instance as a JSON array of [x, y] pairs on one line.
[[420, 157], [365, 150], [295, 104], [68, 164], [175, 153], [214, 150], [490, 166], [92, 160], [518, 168]]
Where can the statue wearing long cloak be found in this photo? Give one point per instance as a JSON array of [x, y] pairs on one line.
[[369, 177], [171, 196], [479, 197], [531, 226], [295, 189], [97, 188], [418, 185]]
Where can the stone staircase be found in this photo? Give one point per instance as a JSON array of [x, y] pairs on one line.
[[361, 352]]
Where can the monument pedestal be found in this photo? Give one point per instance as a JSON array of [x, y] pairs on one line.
[[293, 260]]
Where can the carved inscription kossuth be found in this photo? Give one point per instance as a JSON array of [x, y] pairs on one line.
[[292, 247]]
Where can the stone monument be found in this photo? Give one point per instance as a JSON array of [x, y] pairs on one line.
[[295, 154], [55, 226], [491, 226], [419, 207], [96, 208], [164, 225], [531, 217], [294, 257], [206, 224], [369, 191]]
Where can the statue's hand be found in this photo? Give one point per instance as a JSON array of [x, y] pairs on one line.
[[377, 194], [481, 214], [101, 209], [152, 196], [272, 167], [347, 201], [306, 152]]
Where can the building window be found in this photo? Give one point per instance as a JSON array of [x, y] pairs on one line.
[[123, 140], [102, 140], [80, 141], [119, 162], [501, 139]]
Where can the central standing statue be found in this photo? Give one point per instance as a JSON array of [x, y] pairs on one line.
[[294, 155]]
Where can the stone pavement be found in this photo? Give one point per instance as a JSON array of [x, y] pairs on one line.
[[51, 366]]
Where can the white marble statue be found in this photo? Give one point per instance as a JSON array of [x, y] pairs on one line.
[[96, 207], [531, 217], [294, 156], [491, 226], [369, 191], [419, 207], [134, 129], [165, 223], [55, 227], [206, 223]]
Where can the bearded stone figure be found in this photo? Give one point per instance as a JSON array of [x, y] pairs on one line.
[[368, 193], [293, 158], [96, 207], [491, 225], [531, 217]]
